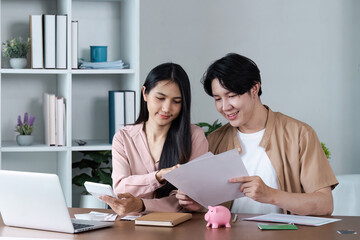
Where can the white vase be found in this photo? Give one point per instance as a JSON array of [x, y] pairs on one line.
[[24, 140], [89, 201], [18, 63]]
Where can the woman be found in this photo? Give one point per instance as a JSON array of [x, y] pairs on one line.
[[161, 139]]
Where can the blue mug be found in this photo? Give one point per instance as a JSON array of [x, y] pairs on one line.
[[98, 53]]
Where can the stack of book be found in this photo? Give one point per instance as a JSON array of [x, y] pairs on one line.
[[48, 35], [54, 120], [121, 110]]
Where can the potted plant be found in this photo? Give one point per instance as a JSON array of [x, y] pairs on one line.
[[25, 128], [16, 49], [210, 127], [98, 165]]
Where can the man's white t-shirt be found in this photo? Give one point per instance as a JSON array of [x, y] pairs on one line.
[[257, 163]]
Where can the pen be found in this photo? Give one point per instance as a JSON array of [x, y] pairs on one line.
[[235, 218]]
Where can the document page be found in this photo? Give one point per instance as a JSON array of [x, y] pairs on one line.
[[206, 178], [295, 219]]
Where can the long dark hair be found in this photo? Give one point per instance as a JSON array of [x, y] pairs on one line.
[[177, 146]]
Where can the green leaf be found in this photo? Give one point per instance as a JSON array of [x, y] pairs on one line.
[[79, 180], [86, 163], [326, 150]]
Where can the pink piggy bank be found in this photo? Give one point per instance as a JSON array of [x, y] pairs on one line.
[[218, 216]]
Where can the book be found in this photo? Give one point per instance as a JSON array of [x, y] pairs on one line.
[[49, 41], [60, 121], [163, 219], [129, 107], [36, 35], [46, 99], [74, 44], [52, 120], [61, 41], [277, 227]]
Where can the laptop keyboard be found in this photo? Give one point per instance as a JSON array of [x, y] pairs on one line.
[[79, 226]]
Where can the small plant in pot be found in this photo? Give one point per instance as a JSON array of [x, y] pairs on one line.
[[25, 128], [16, 49], [98, 166]]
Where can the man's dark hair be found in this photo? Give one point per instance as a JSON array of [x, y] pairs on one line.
[[235, 72]]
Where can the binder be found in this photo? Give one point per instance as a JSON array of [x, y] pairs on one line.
[[74, 44], [49, 41], [36, 35], [61, 41], [129, 107]]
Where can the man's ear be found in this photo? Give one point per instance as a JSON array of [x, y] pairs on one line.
[[255, 89], [143, 93]]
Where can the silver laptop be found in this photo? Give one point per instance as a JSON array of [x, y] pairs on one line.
[[36, 200]]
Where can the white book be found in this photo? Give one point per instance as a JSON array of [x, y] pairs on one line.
[[52, 119], [49, 41], [60, 119], [46, 99], [74, 44], [61, 41], [129, 107], [36, 35], [119, 106]]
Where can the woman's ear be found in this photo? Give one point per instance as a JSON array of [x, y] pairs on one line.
[[143, 93]]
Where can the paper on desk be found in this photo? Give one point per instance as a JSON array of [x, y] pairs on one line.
[[206, 178], [296, 219], [97, 216], [20, 238]]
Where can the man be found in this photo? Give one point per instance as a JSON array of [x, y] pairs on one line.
[[288, 170]]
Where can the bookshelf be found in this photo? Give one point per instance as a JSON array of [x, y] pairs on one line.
[[114, 23]]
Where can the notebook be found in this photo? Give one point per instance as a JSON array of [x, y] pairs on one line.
[[163, 219], [36, 200]]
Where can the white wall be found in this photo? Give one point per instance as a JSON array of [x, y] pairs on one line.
[[308, 53]]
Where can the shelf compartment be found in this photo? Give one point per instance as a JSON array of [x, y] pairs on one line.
[[12, 146], [92, 145]]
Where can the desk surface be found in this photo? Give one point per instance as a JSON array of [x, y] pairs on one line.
[[193, 229]]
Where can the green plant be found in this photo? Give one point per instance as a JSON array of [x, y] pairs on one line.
[[210, 127], [326, 150], [16, 48], [26, 127], [99, 164]]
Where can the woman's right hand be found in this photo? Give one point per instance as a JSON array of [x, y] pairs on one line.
[[163, 171]]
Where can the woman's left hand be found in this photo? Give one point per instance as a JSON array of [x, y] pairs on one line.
[[126, 203]]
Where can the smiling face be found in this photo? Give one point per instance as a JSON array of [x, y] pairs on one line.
[[163, 102], [238, 109]]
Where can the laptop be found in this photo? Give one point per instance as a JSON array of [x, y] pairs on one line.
[[36, 200]]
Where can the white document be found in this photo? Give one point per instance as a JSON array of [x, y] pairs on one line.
[[295, 219], [97, 216], [206, 179]]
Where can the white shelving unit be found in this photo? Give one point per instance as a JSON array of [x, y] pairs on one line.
[[114, 23]]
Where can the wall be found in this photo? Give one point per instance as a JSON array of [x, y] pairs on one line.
[[308, 53]]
